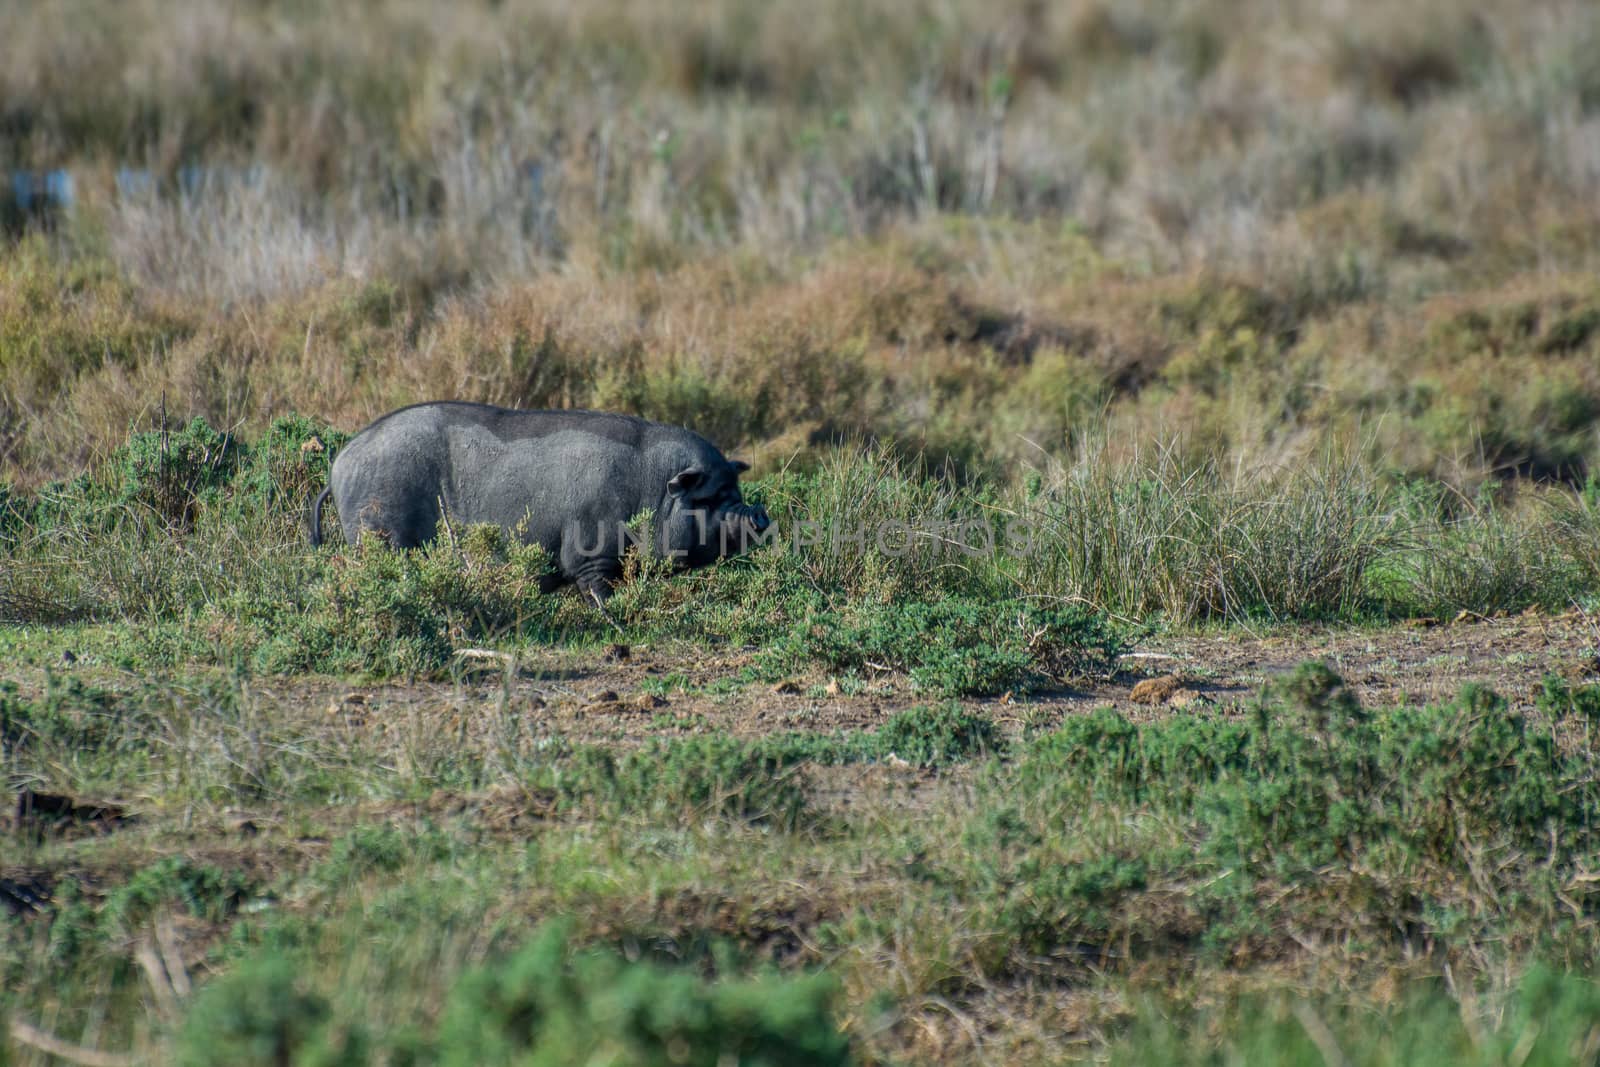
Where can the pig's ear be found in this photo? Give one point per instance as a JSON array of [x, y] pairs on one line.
[[739, 466], [686, 480]]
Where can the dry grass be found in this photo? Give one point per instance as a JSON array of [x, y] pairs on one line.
[[967, 230]]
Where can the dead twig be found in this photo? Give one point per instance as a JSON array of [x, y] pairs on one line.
[[1321, 1036]]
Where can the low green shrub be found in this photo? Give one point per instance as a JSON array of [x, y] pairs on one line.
[[1311, 777], [381, 612], [1205, 832], [1109, 757], [1327, 781], [1050, 902], [955, 646], [288, 466], [72, 714], [831, 749], [202, 889], [550, 1005], [1559, 698], [932, 736], [178, 472], [86, 928], [259, 1015], [1308, 793], [380, 848]]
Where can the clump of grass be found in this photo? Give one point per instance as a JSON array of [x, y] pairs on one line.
[[1575, 523], [1547, 1019], [702, 775], [1481, 556], [1172, 535]]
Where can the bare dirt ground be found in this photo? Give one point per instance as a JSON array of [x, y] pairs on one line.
[[639, 692]]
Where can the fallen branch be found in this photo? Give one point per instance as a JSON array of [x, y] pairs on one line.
[[33, 1037], [505, 659]]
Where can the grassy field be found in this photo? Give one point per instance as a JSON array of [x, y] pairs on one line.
[[1274, 328]]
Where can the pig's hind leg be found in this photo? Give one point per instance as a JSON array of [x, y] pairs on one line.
[[597, 581]]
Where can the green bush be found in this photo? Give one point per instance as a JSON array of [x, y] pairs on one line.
[[1312, 778], [86, 928], [923, 735], [288, 466], [931, 737], [840, 747], [380, 848], [72, 714], [259, 1016], [176, 473], [550, 1006], [954, 646], [1408, 816], [200, 888], [1111, 758], [1308, 793], [1051, 903], [377, 612], [383, 612], [1476, 764], [1558, 698]]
